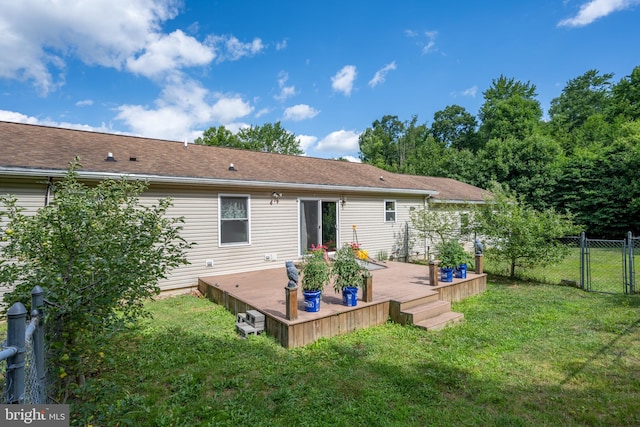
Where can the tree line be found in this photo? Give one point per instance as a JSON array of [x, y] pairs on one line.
[[582, 158]]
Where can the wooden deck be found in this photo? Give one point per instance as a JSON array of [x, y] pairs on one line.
[[399, 292]]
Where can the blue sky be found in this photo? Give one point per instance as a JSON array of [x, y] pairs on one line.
[[326, 69]]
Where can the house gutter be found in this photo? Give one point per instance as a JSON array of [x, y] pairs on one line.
[[457, 202], [212, 181]]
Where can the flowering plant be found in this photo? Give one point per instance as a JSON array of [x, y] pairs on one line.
[[359, 252]]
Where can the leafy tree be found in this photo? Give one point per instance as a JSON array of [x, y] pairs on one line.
[[528, 167], [520, 235], [595, 131], [272, 138], [98, 253], [626, 97], [437, 225], [599, 184], [429, 158], [462, 165], [378, 144], [219, 137], [510, 110], [409, 144], [456, 128], [581, 98]]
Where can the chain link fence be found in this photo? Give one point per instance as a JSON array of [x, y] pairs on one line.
[[634, 257], [605, 265], [23, 353], [567, 272], [597, 265]]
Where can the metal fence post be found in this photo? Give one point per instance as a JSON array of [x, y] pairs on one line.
[[582, 260], [37, 302], [631, 266], [16, 325]]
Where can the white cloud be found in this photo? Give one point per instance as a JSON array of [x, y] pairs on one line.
[[341, 140], [262, 112], [232, 49], [343, 80], [183, 106], [286, 92], [38, 36], [429, 45], [84, 103], [381, 74], [281, 45], [300, 112], [470, 92], [306, 141], [353, 159], [170, 52], [431, 41], [15, 117], [596, 9], [236, 126]]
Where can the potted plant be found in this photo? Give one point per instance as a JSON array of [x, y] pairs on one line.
[[315, 275], [451, 255], [347, 273]]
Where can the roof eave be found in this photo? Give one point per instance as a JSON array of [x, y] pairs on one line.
[[457, 202], [213, 181]]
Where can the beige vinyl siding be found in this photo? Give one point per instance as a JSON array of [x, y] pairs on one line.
[[273, 233], [30, 193], [373, 232], [274, 225]]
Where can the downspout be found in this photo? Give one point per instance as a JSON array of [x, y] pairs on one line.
[[47, 194], [427, 254]]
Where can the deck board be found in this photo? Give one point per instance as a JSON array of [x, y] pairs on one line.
[[265, 291]]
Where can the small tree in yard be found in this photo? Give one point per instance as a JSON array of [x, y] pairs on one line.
[[98, 253], [438, 225], [521, 236]]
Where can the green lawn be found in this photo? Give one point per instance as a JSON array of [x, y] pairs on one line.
[[527, 354]]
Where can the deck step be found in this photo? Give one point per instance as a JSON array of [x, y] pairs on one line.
[[405, 305], [425, 311], [440, 321]]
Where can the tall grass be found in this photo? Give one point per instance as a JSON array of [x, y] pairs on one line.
[[527, 354]]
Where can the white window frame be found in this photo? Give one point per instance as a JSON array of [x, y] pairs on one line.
[[220, 219], [395, 210]]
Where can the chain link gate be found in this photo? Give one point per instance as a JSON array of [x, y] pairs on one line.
[[634, 248], [607, 265]]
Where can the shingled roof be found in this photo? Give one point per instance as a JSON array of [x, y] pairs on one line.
[[41, 150]]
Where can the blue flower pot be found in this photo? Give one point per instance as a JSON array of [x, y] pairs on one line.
[[350, 296], [312, 300], [446, 274], [461, 271]]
